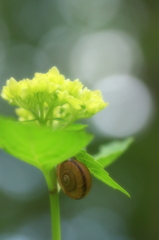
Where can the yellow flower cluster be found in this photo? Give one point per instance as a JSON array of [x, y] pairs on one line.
[[50, 97]]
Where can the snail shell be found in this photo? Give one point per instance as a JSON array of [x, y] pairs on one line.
[[74, 178]]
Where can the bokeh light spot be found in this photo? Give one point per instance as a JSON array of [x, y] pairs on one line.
[[102, 54], [20, 180], [130, 106]]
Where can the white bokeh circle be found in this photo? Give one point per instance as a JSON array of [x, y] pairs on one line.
[[130, 106], [20, 180], [101, 54]]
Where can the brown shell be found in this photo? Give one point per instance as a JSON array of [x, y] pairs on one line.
[[74, 178]]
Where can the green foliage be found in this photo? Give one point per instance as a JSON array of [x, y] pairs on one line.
[[49, 105], [76, 127], [41, 146], [97, 171], [108, 153], [45, 148]]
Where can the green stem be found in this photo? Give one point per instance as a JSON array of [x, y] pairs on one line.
[[54, 204], [48, 113], [41, 112]]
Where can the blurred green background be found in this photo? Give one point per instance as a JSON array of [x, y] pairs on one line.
[[112, 46]]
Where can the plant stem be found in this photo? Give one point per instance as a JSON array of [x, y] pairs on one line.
[[55, 216], [54, 204]]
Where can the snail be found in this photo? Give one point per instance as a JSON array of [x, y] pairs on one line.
[[74, 178]]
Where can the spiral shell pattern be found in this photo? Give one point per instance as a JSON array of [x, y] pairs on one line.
[[74, 178]]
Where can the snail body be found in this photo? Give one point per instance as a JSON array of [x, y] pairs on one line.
[[74, 178]]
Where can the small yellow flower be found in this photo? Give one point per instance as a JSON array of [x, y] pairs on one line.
[[48, 97]]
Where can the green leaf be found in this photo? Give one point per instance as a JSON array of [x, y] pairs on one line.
[[40, 146], [76, 126], [97, 171], [110, 152]]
